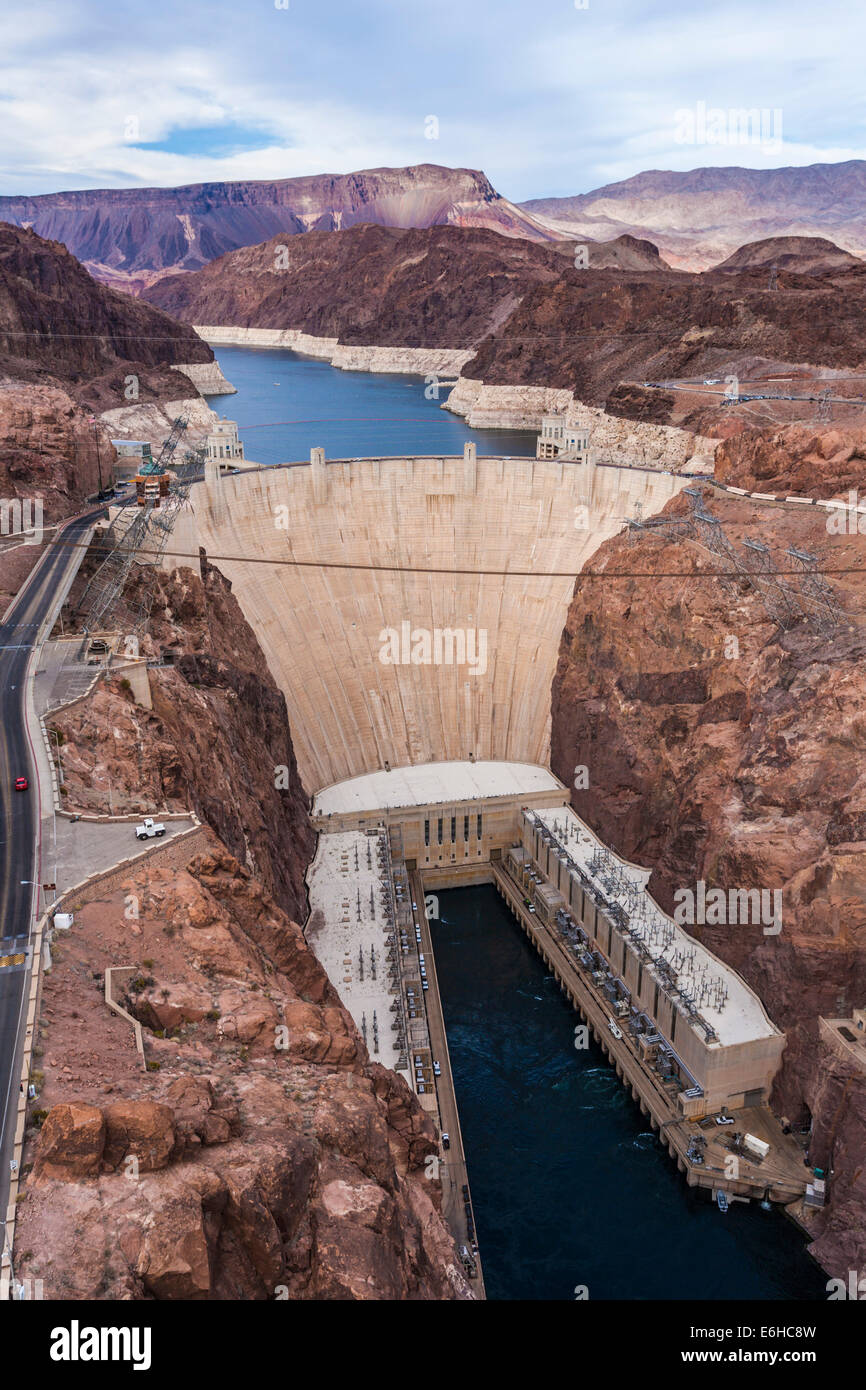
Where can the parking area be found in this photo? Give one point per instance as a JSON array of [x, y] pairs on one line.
[[73, 850], [60, 676]]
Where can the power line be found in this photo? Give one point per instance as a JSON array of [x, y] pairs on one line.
[[566, 335], [572, 574]]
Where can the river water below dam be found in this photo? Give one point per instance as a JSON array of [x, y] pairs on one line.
[[570, 1186], [286, 404]]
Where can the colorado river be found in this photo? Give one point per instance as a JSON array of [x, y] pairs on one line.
[[569, 1184]]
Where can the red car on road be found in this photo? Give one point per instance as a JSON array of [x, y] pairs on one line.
[[21, 784]]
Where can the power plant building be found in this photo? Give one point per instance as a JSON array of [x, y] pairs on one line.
[[693, 1017]]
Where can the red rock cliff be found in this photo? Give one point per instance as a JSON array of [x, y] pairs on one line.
[[217, 739], [717, 748]]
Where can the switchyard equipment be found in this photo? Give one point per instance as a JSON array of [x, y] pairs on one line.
[[706, 1033]]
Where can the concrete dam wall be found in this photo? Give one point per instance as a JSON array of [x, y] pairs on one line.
[[384, 665]]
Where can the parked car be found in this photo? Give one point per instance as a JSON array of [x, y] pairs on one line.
[[149, 828]]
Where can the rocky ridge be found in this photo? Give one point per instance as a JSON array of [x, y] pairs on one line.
[[699, 216]]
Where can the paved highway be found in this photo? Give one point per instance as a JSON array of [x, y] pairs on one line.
[[20, 817]]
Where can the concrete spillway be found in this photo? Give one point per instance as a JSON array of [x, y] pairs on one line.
[[352, 707]]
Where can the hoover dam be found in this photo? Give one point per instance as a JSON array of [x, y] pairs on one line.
[[411, 608]]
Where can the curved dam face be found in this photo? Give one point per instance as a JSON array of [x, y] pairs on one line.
[[386, 665]]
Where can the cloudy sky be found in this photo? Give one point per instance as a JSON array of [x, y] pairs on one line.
[[546, 98]]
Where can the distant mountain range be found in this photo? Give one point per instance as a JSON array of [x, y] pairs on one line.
[[698, 218], [129, 236]]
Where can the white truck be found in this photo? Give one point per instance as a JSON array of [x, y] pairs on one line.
[[149, 828]]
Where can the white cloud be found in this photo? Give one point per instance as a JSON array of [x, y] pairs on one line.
[[545, 98]]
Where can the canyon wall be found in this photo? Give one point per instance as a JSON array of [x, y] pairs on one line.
[[56, 321], [213, 740], [719, 748]]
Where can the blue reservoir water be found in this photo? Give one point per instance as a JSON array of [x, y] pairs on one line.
[[569, 1184], [287, 404]]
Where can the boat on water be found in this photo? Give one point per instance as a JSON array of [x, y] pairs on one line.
[[721, 1200]]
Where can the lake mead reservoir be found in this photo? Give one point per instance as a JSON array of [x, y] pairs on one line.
[[287, 404]]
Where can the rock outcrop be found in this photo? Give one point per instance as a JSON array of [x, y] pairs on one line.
[[798, 460], [261, 1155], [217, 739], [803, 254], [51, 449], [720, 749]]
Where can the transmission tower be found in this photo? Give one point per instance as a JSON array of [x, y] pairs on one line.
[[823, 609], [824, 412], [161, 525], [711, 534], [778, 598], [106, 585]]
